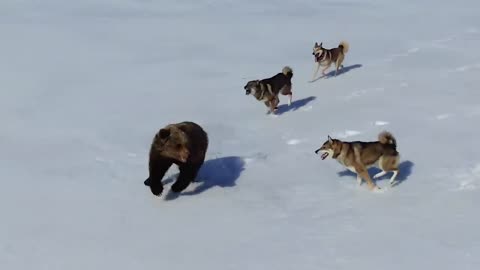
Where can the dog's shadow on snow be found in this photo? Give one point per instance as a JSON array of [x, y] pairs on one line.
[[405, 169], [296, 104], [341, 71], [219, 172]]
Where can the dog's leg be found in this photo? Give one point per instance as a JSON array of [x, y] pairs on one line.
[[271, 106], [339, 63], [380, 174], [274, 104], [362, 171], [267, 103], [392, 179], [316, 71], [327, 67], [287, 91], [359, 179]]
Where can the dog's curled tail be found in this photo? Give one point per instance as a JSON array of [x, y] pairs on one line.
[[386, 137], [344, 46], [288, 71]]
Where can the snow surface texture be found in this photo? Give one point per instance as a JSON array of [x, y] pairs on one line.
[[86, 84]]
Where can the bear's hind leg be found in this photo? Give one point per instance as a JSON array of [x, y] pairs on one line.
[[186, 176]]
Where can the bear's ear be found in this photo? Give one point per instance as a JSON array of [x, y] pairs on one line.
[[164, 133]]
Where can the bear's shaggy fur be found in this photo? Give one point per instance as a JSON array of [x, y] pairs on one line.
[[184, 144]]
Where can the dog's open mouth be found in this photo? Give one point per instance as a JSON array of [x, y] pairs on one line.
[[324, 155]]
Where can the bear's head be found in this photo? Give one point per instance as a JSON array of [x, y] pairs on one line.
[[171, 142]]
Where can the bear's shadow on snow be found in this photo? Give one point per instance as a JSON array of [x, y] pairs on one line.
[[405, 169], [219, 172], [296, 104]]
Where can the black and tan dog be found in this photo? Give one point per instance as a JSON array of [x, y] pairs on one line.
[[358, 156], [267, 90], [325, 57]]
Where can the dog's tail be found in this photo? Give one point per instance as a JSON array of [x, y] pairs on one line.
[[386, 137], [288, 71], [344, 46]]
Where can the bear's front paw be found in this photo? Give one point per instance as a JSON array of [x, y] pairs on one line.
[[156, 190]]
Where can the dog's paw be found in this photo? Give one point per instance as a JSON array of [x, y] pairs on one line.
[[375, 188]]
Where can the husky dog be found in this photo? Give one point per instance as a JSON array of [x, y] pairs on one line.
[[359, 156], [267, 90], [325, 57]]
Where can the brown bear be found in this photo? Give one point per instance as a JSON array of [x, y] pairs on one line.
[[184, 144]]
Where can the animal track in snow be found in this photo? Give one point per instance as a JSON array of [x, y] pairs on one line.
[[443, 116], [443, 40], [466, 68], [346, 134], [469, 179], [472, 30], [396, 55], [307, 108], [472, 111], [381, 123], [413, 50], [293, 142], [256, 156], [441, 43], [359, 93], [103, 160]]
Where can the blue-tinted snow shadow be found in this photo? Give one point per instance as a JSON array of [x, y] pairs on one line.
[[340, 71], [405, 169], [296, 104], [219, 172]]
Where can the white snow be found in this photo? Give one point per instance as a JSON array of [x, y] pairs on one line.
[[84, 86]]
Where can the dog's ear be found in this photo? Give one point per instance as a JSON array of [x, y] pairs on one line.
[[316, 44], [330, 140], [321, 44]]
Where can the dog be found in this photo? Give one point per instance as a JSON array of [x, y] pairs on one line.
[[358, 156], [267, 90], [325, 57]]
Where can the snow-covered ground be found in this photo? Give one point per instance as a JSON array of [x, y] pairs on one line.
[[84, 86]]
